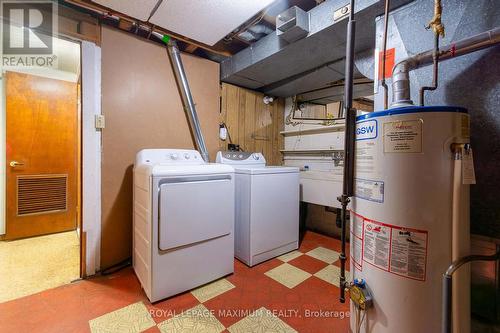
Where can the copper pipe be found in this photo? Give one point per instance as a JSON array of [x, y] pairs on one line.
[[438, 28], [435, 72]]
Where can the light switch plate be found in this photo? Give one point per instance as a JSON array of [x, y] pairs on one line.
[[100, 121]]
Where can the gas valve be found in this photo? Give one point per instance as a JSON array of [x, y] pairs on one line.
[[360, 294]]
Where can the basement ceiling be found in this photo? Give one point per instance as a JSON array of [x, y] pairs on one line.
[[139, 9], [206, 21]]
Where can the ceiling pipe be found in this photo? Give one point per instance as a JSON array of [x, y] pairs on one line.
[[187, 99], [401, 73]]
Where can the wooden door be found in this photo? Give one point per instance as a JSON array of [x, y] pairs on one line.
[[42, 152]]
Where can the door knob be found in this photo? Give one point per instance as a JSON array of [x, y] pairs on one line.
[[15, 164]]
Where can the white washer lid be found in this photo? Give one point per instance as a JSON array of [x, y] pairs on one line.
[[266, 170]]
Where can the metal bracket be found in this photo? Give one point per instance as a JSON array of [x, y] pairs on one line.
[[341, 13]]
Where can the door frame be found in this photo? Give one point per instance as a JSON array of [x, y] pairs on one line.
[[89, 205], [90, 235]]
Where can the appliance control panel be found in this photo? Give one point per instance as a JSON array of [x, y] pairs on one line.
[[169, 157], [240, 158]]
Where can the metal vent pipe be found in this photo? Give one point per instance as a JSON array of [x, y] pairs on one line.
[[401, 72], [187, 99]]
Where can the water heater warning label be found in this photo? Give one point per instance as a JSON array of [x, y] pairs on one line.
[[397, 250], [371, 190], [403, 136], [366, 159], [408, 253], [377, 244]]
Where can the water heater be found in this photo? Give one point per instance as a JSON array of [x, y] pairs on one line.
[[410, 216]]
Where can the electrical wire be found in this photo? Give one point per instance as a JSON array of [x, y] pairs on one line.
[[359, 319], [117, 267], [289, 118], [229, 135]]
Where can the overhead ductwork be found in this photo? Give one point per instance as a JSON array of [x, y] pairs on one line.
[[255, 32], [279, 68]]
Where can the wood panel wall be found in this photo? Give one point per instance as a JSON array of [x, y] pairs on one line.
[[143, 109], [252, 124]]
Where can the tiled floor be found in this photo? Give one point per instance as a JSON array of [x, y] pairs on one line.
[[30, 265], [294, 293]]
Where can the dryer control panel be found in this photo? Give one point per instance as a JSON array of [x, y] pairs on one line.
[[169, 157], [240, 158]]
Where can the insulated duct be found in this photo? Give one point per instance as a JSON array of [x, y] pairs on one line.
[[187, 98], [401, 72], [278, 68]]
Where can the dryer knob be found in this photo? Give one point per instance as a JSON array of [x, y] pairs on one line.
[[174, 156], [255, 156], [186, 156]]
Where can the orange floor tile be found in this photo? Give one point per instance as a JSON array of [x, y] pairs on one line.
[[310, 306]]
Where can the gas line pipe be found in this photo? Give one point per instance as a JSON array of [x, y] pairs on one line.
[[350, 125]]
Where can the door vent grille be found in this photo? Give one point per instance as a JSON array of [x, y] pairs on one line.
[[41, 194]]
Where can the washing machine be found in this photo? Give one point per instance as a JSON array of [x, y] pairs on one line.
[[267, 207], [183, 221]]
